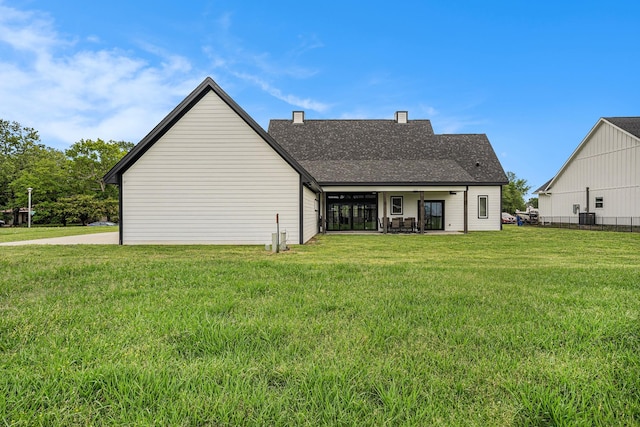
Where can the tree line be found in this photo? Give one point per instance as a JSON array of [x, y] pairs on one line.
[[67, 185]]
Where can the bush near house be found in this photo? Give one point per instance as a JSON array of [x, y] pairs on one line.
[[529, 326]]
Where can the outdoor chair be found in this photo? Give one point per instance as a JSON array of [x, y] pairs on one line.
[[396, 224], [409, 224]]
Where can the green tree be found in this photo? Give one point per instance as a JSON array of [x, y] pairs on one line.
[[79, 207], [513, 193], [19, 147], [46, 173], [90, 161]]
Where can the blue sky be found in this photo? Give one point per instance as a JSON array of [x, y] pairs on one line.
[[534, 76]]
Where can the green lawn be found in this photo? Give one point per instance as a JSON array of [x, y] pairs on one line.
[[523, 327], [13, 234]]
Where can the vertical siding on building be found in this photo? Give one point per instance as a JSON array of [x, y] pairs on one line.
[[609, 164], [311, 203], [211, 179]]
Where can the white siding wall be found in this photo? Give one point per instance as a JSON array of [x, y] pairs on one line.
[[609, 164], [311, 206], [493, 222], [453, 211], [209, 180], [545, 204]]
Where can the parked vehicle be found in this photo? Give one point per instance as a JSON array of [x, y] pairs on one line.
[[529, 216], [101, 223], [507, 218]]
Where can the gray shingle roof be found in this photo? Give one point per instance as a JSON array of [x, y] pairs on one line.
[[383, 151], [629, 124], [543, 187]]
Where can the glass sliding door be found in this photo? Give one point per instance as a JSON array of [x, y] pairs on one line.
[[352, 211], [433, 214]]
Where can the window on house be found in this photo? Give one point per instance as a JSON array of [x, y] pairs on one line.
[[483, 207], [599, 202], [396, 205]]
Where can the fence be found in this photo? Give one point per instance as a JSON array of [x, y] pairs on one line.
[[600, 223]]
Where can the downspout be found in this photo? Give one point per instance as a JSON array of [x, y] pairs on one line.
[[587, 199], [120, 209], [301, 213], [500, 216], [466, 210]]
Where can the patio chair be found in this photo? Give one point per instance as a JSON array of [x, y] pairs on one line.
[[409, 224], [396, 224]]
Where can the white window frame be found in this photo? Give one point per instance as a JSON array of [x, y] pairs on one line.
[[599, 202], [395, 211], [483, 199]]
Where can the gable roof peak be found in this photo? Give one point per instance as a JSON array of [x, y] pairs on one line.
[[630, 125], [207, 85]]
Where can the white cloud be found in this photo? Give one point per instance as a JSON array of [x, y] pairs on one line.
[[68, 94], [307, 104], [228, 55], [72, 88]]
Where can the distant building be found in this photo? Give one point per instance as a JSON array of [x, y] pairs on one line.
[[600, 182], [16, 217]]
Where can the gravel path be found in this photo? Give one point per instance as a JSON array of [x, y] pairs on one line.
[[84, 239]]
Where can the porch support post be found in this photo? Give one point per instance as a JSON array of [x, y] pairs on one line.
[[385, 220], [466, 210], [421, 212], [323, 211]]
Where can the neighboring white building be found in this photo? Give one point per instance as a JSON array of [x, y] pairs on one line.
[[600, 182], [209, 174]]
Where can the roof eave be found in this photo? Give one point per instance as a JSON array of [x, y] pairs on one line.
[[409, 183]]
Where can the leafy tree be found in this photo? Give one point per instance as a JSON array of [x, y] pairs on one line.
[[46, 173], [79, 207], [513, 193], [533, 201], [19, 147], [90, 161]]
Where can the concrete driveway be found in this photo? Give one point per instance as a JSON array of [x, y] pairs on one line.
[[110, 238]]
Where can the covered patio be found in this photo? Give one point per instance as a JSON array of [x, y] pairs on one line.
[[394, 209]]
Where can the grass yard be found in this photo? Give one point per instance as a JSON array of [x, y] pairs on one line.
[[523, 327]]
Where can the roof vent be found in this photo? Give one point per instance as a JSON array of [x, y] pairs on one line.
[[298, 117], [402, 116]]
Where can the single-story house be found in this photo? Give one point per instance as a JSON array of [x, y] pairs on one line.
[[15, 216], [600, 182], [228, 178]]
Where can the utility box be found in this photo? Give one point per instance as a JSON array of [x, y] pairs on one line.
[[587, 218]]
